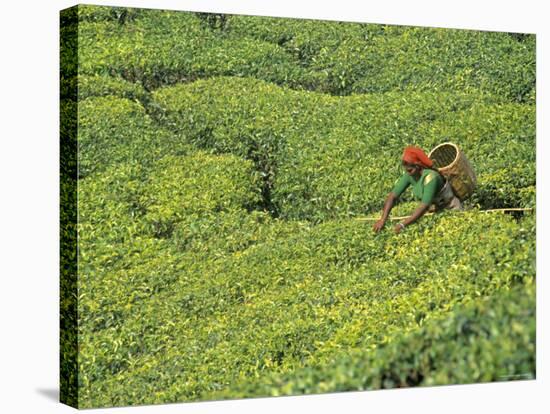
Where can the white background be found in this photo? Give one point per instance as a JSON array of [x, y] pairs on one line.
[[29, 213]]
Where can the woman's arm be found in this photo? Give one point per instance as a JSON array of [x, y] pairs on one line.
[[388, 205], [419, 212]]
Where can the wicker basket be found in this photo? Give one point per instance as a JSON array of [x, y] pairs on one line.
[[453, 164]]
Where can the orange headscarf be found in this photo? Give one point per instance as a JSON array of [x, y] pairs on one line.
[[414, 155]]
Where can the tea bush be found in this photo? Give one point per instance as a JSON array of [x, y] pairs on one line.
[[303, 38], [362, 58], [446, 59], [253, 120], [96, 86], [478, 342], [129, 200], [196, 185], [122, 209], [178, 50], [89, 13], [350, 58], [500, 140], [113, 130]]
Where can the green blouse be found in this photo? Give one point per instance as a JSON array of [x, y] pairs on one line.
[[425, 189]]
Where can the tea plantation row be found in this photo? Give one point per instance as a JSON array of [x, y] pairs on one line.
[[315, 157], [484, 341], [162, 47]]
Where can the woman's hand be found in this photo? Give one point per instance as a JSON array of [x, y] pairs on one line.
[[388, 204], [399, 227], [378, 225]]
